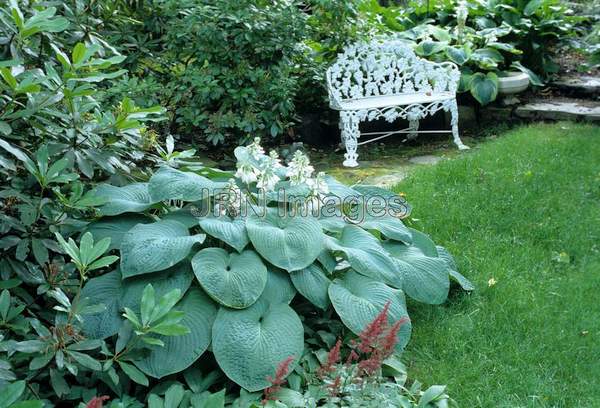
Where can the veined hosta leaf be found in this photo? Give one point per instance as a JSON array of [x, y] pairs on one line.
[[232, 232], [119, 200], [115, 293], [249, 344], [389, 226], [153, 247], [366, 255], [115, 227], [425, 278], [454, 274], [358, 299], [186, 215], [423, 243], [290, 243], [171, 184], [233, 280], [179, 352], [279, 287], [312, 283]]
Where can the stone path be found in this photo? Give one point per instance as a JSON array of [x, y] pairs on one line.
[[583, 85], [560, 109], [383, 173]]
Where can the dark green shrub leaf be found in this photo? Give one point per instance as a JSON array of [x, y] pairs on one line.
[[179, 352], [115, 294]]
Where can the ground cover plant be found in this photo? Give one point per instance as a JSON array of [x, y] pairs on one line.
[[528, 335], [169, 299]]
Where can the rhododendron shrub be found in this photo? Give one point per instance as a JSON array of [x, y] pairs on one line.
[[240, 247]]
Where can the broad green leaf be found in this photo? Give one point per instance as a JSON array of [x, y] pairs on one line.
[[233, 280], [454, 274], [173, 396], [312, 283], [366, 255], [426, 279], [279, 287], [250, 343], [428, 48], [533, 77], [484, 88], [85, 360], [115, 294], [119, 200], [115, 227], [133, 373], [290, 243], [171, 184], [389, 226], [358, 299], [10, 393], [179, 352], [153, 247], [457, 55], [232, 232], [423, 243], [532, 7]]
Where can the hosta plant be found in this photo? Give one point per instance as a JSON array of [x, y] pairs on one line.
[[245, 249]]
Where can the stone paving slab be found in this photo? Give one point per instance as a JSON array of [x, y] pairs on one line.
[[585, 85], [560, 110]]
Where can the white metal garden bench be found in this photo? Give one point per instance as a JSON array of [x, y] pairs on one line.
[[385, 79]]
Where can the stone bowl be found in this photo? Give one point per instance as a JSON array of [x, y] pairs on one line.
[[512, 83]]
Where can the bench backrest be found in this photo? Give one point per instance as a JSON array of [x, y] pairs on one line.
[[387, 68]]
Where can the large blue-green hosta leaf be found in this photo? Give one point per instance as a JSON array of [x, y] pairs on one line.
[[426, 278], [484, 88], [312, 283], [179, 352], [290, 243], [153, 247], [234, 280], [119, 200], [366, 255], [250, 343], [232, 232], [279, 287], [454, 274], [115, 294], [358, 299], [115, 227], [171, 184]]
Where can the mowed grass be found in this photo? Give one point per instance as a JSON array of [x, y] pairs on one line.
[[523, 210]]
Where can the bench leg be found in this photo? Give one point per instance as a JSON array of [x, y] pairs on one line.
[[350, 135], [454, 122], [413, 126]]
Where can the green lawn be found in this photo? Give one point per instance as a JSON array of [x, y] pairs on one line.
[[524, 210]]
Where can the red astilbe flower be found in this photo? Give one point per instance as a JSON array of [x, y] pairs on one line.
[[97, 402], [280, 373], [370, 335], [378, 341], [332, 359]]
